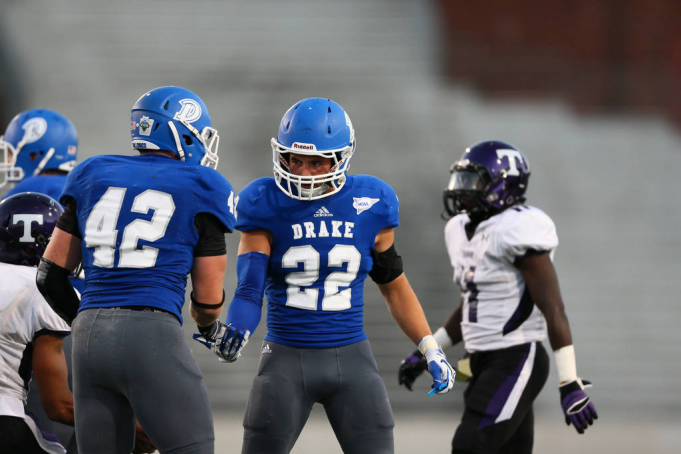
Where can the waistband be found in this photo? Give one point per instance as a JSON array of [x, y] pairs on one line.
[[157, 310]]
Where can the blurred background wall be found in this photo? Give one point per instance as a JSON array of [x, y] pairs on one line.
[[590, 90]]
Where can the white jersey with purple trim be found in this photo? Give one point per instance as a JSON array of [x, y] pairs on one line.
[[498, 311], [24, 314]]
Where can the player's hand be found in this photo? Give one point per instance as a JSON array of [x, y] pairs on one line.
[[223, 340], [410, 368], [142, 443], [443, 374], [578, 408]]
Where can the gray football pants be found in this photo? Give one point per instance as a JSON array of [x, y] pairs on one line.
[[344, 380], [131, 365]]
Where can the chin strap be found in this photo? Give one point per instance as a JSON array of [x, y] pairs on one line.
[[43, 162], [178, 142]]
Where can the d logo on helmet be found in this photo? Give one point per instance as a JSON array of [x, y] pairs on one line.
[[190, 111], [34, 129]]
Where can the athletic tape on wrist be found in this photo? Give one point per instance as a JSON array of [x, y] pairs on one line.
[[427, 343], [566, 363], [442, 338]]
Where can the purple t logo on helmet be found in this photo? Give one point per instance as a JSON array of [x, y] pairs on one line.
[[489, 177], [27, 220]]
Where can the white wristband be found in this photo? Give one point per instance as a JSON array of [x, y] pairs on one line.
[[427, 343], [442, 338], [566, 363]]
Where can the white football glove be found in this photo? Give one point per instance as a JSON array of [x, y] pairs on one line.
[[443, 374]]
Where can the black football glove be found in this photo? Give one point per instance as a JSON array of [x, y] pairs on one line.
[[410, 368]]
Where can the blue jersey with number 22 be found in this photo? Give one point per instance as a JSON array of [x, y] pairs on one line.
[[320, 257], [136, 217]]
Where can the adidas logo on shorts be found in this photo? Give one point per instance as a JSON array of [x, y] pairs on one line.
[[266, 349], [322, 212]]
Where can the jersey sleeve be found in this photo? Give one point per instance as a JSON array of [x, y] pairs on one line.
[[377, 199], [391, 206], [215, 196], [46, 320], [531, 230], [252, 212], [74, 182]]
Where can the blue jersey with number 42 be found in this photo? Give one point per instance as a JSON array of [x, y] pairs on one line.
[[136, 217], [320, 257]]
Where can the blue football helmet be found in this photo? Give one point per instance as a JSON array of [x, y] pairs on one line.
[[489, 177], [177, 120], [27, 220], [313, 127], [35, 141]]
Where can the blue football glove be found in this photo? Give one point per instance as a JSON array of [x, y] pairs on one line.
[[223, 340], [578, 408], [443, 374]]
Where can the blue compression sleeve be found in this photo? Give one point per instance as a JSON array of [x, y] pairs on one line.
[[246, 306]]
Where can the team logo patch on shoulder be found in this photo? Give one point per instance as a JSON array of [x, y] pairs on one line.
[[363, 203], [145, 125], [322, 212]]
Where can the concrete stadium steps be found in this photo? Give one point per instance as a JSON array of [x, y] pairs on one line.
[[609, 183]]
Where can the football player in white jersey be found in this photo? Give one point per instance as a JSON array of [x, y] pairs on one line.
[[501, 251], [31, 334]]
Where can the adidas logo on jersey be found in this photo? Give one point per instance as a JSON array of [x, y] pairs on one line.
[[322, 212], [266, 349]]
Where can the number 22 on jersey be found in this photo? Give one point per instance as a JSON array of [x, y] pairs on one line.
[[334, 300]]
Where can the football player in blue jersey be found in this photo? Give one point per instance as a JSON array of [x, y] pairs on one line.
[[38, 142], [309, 238], [502, 252], [142, 224], [37, 151]]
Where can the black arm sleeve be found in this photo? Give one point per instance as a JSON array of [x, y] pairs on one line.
[[211, 236], [68, 221], [387, 266], [53, 282]]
